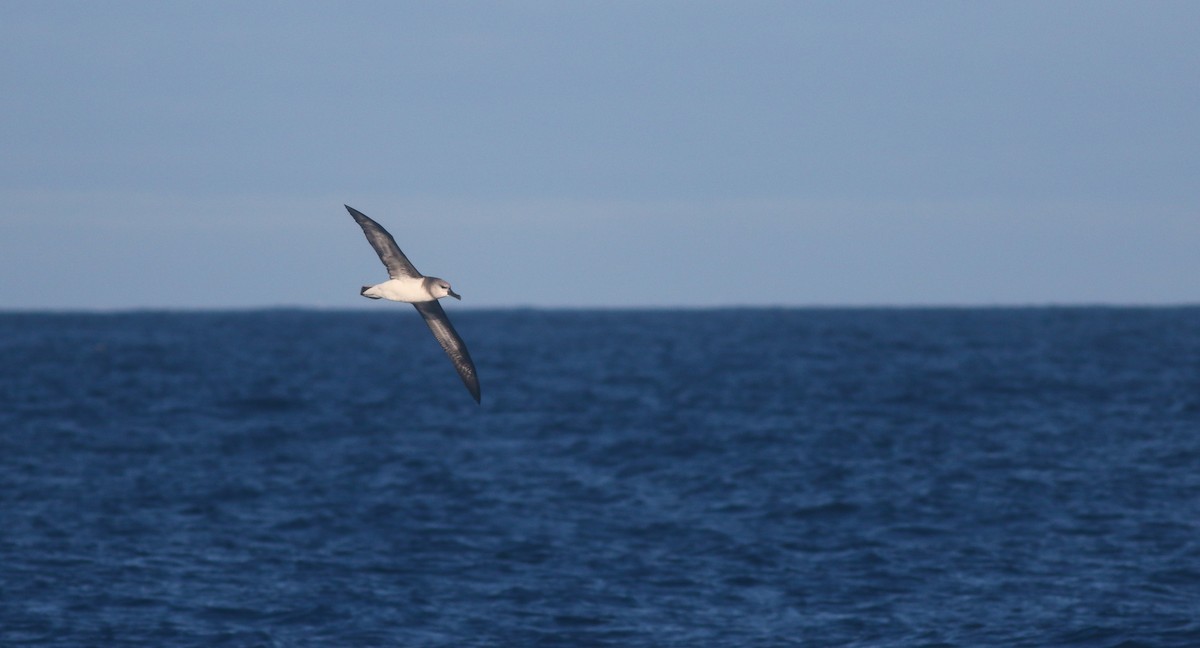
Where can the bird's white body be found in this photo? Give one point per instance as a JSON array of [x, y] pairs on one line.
[[406, 289]]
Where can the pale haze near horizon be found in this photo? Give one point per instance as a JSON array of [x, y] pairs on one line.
[[197, 155]]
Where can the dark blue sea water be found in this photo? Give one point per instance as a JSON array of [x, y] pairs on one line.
[[1015, 477]]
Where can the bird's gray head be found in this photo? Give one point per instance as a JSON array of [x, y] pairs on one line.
[[440, 288]]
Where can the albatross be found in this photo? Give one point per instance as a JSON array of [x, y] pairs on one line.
[[405, 284]]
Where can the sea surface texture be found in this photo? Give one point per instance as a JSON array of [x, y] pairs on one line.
[[961, 477]]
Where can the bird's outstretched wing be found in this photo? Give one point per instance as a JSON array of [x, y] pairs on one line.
[[453, 345], [397, 264]]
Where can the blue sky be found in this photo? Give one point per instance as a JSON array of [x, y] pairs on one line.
[[194, 155]]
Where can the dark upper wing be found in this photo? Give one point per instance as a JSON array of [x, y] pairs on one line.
[[453, 345], [385, 246]]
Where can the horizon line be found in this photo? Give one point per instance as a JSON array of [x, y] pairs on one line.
[[1097, 305]]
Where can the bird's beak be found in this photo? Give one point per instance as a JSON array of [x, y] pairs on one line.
[[454, 295]]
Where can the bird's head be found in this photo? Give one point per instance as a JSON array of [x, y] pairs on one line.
[[441, 288]]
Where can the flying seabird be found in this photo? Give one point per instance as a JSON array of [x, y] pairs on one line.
[[407, 285]]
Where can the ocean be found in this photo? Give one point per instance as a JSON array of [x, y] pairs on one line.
[[728, 477]]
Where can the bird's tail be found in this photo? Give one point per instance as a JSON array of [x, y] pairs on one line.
[[363, 292]]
